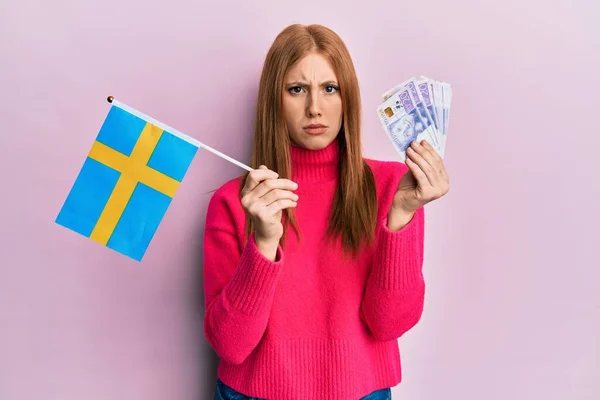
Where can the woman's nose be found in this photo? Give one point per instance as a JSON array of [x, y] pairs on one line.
[[313, 109]]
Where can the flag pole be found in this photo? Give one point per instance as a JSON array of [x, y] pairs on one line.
[[175, 132]]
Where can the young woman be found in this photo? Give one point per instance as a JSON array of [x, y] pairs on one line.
[[313, 261]]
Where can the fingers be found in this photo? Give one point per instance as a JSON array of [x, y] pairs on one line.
[[428, 152], [256, 176], [271, 196], [429, 161], [278, 206], [443, 182], [268, 192], [428, 168], [273, 184], [265, 192], [278, 194], [269, 205], [437, 161], [418, 173], [419, 156]]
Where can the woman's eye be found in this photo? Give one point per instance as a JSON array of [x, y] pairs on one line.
[[298, 89]]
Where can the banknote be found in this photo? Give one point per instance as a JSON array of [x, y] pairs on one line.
[[447, 101], [424, 113], [401, 121], [442, 95], [431, 99], [425, 90], [426, 116], [436, 95]]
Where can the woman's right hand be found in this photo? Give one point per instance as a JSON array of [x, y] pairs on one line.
[[264, 196]]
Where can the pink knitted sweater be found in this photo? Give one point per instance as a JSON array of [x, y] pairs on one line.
[[312, 324]]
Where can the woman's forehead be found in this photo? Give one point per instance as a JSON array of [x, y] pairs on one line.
[[314, 68]]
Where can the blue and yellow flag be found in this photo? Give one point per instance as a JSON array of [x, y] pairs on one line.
[[127, 181]]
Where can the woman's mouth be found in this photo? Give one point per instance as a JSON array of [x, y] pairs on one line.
[[315, 129]]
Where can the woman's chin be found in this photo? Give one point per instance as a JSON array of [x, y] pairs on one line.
[[314, 142]]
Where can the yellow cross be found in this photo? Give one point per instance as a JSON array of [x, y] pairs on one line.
[[133, 169]]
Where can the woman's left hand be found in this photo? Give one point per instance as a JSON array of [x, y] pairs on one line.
[[425, 181]]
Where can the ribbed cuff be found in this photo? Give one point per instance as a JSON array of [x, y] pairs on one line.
[[253, 283], [399, 259]]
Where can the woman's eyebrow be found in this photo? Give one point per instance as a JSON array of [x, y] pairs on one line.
[[304, 83]]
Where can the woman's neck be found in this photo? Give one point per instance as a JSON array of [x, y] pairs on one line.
[[315, 165]]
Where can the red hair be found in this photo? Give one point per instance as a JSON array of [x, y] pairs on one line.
[[354, 210]]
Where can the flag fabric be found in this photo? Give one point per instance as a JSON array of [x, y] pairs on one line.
[[127, 181]]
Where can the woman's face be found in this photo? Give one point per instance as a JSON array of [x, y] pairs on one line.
[[312, 106]]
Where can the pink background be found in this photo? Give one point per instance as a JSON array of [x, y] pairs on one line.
[[513, 303]]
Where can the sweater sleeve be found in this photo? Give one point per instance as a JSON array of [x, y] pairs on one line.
[[395, 289], [239, 285]]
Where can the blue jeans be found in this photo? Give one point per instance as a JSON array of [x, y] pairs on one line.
[[224, 392]]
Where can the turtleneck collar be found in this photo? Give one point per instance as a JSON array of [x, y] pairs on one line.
[[315, 165]]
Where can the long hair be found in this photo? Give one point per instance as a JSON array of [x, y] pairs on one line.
[[354, 211]]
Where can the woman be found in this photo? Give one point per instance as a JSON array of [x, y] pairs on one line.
[[314, 312]]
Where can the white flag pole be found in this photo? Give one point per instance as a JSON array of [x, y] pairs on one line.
[[175, 132]]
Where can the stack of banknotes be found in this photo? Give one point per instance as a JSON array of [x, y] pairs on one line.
[[417, 109]]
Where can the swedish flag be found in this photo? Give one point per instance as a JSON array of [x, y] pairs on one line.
[[127, 182]]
